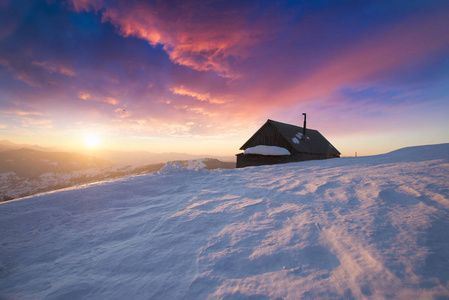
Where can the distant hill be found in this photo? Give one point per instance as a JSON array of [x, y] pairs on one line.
[[25, 172], [8, 145], [139, 158], [123, 158], [29, 163]]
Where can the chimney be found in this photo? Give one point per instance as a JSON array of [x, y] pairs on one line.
[[304, 127]]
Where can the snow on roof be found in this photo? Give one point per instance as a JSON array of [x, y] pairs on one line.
[[299, 135], [331, 229], [267, 150]]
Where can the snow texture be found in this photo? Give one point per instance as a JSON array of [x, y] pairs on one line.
[[348, 228], [267, 150]]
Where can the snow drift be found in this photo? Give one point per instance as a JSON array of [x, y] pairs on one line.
[[367, 227]]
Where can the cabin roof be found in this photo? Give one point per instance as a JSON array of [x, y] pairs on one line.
[[315, 142]]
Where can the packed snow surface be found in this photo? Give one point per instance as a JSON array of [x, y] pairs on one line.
[[368, 227], [267, 150]]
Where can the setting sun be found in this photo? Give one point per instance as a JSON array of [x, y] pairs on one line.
[[91, 140]]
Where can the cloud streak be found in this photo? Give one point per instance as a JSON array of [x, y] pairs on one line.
[[196, 35], [409, 42]]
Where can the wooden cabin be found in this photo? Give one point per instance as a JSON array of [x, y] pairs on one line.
[[302, 143]]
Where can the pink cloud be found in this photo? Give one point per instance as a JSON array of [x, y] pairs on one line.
[[88, 97], [203, 39], [23, 112], [182, 90], [54, 68], [28, 118], [80, 5]]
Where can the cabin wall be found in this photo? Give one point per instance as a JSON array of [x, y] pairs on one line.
[[248, 160]]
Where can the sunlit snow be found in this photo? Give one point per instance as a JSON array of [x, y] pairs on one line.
[[367, 227]]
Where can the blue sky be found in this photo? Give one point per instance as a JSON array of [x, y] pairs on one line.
[[201, 77]]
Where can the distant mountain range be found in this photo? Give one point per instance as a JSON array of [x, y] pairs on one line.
[[8, 145], [138, 158], [27, 171], [134, 158], [30, 163]]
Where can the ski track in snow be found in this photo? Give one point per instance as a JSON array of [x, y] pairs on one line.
[[350, 228]]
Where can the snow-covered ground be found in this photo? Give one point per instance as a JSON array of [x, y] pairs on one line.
[[368, 227]]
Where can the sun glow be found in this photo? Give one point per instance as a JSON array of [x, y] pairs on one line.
[[91, 140]]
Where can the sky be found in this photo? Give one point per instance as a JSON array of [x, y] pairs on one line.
[[202, 76]]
